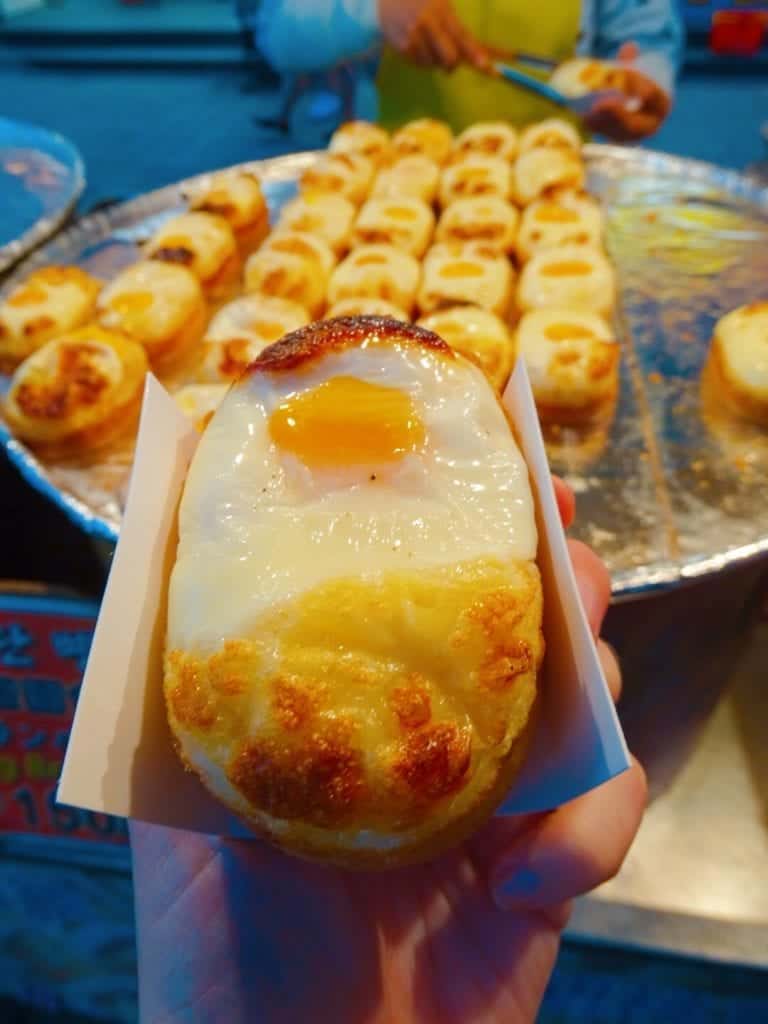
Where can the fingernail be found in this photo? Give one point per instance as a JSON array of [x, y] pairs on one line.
[[519, 886]]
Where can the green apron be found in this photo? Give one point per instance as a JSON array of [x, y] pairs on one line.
[[547, 28]]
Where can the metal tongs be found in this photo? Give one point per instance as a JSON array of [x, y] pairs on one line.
[[579, 105]]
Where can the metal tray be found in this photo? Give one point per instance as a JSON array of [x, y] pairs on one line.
[[672, 489], [41, 179]]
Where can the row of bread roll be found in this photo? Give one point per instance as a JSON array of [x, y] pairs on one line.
[[79, 350], [424, 161], [434, 140]]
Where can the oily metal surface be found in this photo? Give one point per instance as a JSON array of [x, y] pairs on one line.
[[672, 488]]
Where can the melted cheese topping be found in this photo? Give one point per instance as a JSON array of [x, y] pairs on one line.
[[404, 222], [201, 242], [303, 243], [150, 301], [478, 335], [575, 276], [553, 132], [561, 219], [465, 274], [415, 176], [327, 217], [376, 272], [234, 195], [487, 219], [493, 138], [426, 137], [346, 174], [583, 75], [362, 137], [571, 357], [288, 275], [48, 302], [74, 384], [539, 170], [476, 175], [242, 329], [742, 337], [367, 307]]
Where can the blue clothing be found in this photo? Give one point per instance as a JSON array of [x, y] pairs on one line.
[[298, 36]]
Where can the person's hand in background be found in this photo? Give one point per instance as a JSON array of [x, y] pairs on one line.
[[236, 931], [642, 116], [429, 33]]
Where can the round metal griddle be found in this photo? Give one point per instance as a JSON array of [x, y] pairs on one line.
[[673, 488]]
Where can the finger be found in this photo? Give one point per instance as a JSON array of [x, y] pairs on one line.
[[469, 48], [443, 47], [593, 582], [611, 669], [419, 51], [566, 501], [574, 849]]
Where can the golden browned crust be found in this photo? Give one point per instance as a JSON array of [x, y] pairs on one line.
[[303, 346], [428, 753], [72, 405]]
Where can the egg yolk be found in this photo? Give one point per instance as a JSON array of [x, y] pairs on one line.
[[400, 213], [461, 268], [552, 213], [347, 422], [567, 268], [566, 332]]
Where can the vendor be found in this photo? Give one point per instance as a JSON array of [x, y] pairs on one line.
[[436, 53]]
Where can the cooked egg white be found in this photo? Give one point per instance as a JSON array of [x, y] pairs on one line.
[[487, 219], [480, 336], [77, 391], [236, 196], [202, 242], [51, 301], [242, 329], [562, 218], [424, 136], [370, 140], [494, 138], [376, 272], [160, 305], [575, 276], [465, 274], [407, 223], [475, 175], [572, 360], [552, 133], [346, 174], [288, 271], [741, 350], [538, 171], [414, 175], [328, 217]]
